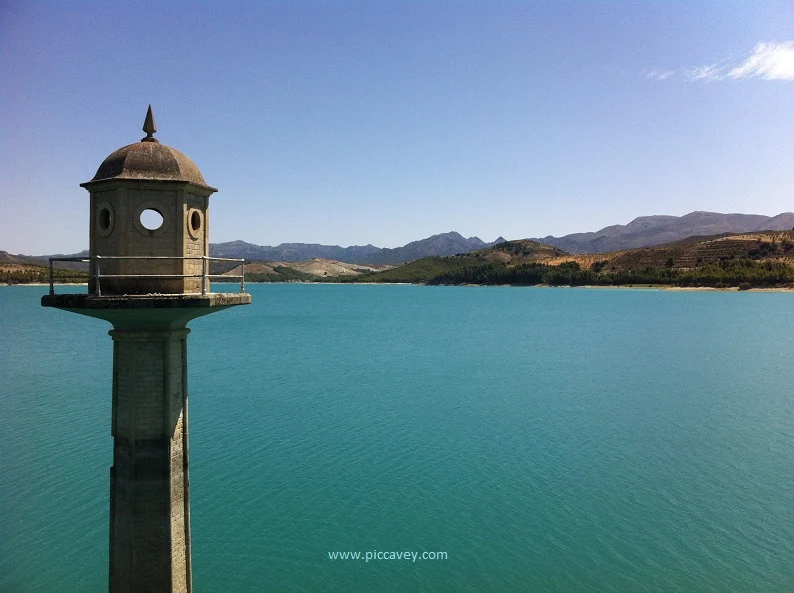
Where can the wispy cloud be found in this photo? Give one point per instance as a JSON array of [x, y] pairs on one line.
[[768, 61], [658, 74], [703, 73]]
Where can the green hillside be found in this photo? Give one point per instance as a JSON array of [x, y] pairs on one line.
[[419, 271], [750, 260], [282, 274]]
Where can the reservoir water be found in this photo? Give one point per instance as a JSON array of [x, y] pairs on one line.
[[543, 439]]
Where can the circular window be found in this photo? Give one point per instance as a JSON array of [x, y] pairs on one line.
[[151, 219], [104, 219], [194, 223]]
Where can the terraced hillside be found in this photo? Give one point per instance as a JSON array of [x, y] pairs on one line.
[[750, 259], [776, 246]]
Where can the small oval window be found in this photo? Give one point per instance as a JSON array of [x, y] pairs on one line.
[[104, 219], [151, 219], [195, 221]]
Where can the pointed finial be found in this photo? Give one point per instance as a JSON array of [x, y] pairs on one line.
[[149, 127]]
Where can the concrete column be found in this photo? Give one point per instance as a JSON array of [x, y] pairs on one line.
[[149, 485]]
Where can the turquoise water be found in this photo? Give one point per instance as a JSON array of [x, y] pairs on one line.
[[546, 439]]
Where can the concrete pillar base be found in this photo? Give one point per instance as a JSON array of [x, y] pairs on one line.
[[149, 485]]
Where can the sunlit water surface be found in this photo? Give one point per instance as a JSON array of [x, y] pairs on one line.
[[545, 439]]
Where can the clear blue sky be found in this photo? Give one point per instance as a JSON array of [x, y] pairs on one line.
[[385, 122]]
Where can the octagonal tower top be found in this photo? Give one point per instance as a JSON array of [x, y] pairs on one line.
[[149, 241], [149, 220]]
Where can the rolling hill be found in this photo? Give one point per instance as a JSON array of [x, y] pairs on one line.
[[647, 231], [757, 259]]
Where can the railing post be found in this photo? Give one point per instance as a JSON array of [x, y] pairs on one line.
[[203, 274], [96, 277], [52, 288], [242, 277]]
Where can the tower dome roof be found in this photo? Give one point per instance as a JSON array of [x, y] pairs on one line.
[[149, 160]]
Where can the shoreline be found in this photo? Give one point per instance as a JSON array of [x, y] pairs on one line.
[[47, 284], [665, 287]]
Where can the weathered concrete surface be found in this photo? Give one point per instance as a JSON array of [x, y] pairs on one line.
[[149, 484], [116, 229], [146, 311], [149, 160]]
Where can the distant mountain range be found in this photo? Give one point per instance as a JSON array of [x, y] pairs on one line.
[[444, 244], [646, 231]]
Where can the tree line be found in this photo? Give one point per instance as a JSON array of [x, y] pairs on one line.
[[723, 274], [30, 275]]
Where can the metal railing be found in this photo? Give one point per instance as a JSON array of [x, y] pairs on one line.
[[97, 273]]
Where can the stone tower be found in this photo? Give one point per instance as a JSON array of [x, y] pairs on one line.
[[149, 278], [139, 182]]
